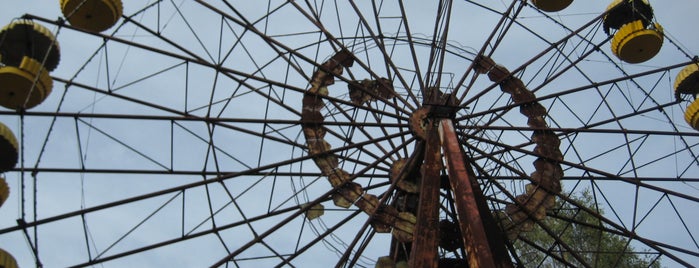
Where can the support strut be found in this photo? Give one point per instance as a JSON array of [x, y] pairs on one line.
[[484, 243], [482, 239], [425, 241]]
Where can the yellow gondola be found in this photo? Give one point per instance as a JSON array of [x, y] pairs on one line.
[[637, 37], [6, 260], [18, 88], [551, 5], [687, 80], [634, 43], [8, 149], [92, 15], [25, 38], [4, 191], [692, 114]]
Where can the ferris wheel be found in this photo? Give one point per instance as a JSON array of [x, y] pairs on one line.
[[319, 133]]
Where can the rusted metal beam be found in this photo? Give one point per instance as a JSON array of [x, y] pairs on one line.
[[426, 236], [483, 241]]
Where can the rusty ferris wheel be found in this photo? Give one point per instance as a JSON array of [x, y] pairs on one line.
[[348, 134]]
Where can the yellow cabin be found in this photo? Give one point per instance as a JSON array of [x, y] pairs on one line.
[[551, 5], [6, 260], [25, 38], [634, 43], [18, 88], [637, 38], [687, 81], [692, 114], [92, 15], [4, 191], [8, 148]]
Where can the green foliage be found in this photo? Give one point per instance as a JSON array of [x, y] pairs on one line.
[[583, 238]]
